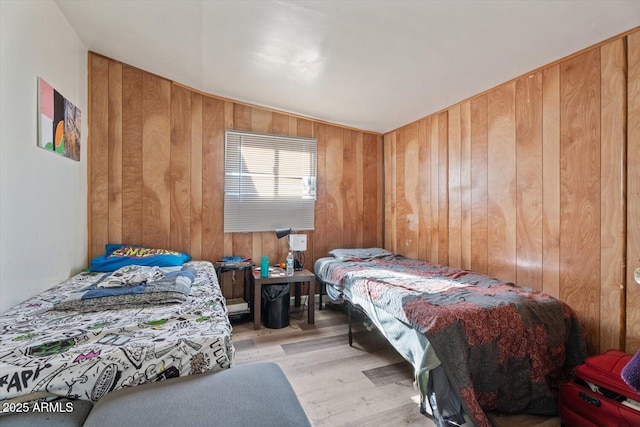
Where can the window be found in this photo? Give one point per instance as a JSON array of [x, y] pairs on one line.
[[269, 182]]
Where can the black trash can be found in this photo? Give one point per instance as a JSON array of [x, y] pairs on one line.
[[275, 305]]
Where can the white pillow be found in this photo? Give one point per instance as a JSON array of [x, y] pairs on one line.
[[362, 253]]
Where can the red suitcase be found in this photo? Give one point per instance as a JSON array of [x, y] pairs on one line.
[[598, 396]]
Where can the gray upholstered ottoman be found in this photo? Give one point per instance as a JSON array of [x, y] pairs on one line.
[[248, 395]]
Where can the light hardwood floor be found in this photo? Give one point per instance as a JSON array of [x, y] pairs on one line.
[[368, 384]]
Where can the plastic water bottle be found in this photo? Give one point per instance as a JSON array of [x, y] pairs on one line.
[[289, 264]]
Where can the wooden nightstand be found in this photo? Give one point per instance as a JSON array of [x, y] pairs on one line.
[[298, 278]]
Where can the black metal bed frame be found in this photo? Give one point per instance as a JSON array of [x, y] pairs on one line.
[[346, 301]]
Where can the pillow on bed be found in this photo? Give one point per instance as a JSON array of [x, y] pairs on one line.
[[363, 253], [117, 256]]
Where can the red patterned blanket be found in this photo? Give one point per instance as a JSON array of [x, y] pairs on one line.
[[503, 347]]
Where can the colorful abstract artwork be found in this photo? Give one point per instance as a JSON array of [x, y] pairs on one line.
[[59, 122]]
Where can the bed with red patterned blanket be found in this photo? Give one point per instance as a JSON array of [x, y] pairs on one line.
[[502, 347]]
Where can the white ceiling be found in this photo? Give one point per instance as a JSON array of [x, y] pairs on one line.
[[372, 65]]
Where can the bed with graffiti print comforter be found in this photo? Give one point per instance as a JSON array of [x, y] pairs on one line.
[[503, 347], [79, 355]]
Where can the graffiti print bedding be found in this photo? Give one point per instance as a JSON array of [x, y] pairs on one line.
[[48, 352]]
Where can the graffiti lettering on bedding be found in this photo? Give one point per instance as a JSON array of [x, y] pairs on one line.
[[141, 252], [20, 380], [221, 357], [86, 356], [49, 348], [19, 359]]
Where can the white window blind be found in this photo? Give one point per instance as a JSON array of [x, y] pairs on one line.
[[269, 182]]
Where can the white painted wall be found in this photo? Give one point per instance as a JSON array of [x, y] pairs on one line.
[[43, 195]]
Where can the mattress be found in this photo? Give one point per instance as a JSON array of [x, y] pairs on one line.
[[45, 351], [502, 347], [334, 290], [410, 344]]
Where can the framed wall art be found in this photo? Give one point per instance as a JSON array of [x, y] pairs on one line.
[[59, 122]]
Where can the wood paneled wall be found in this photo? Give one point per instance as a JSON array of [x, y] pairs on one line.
[[529, 183], [157, 169]]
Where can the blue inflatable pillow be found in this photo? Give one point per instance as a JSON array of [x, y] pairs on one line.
[[117, 256]]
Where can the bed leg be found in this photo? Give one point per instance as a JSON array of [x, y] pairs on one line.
[[349, 316]]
